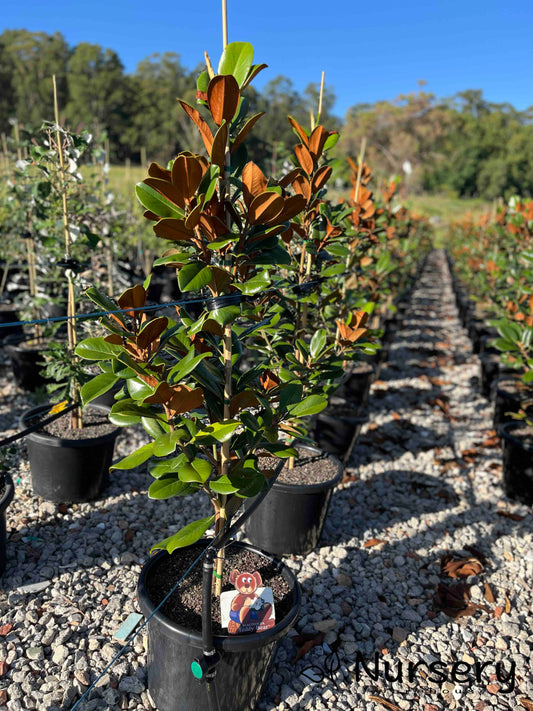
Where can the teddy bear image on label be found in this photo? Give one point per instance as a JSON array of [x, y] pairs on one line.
[[250, 608]]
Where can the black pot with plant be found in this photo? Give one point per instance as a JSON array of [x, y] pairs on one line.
[[517, 456]]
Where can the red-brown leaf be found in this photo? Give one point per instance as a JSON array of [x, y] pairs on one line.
[[241, 401], [489, 595], [156, 171], [134, 298], [265, 208], [151, 331], [185, 399], [317, 139], [304, 158], [253, 182], [321, 177], [173, 229], [218, 150], [187, 172], [201, 124], [373, 542], [299, 130], [223, 97]]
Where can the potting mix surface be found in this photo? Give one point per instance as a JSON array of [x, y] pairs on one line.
[[185, 605], [386, 621]]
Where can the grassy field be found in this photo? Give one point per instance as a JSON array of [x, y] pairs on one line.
[[442, 208]]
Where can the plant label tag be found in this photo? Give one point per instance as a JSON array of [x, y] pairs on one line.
[[250, 607]]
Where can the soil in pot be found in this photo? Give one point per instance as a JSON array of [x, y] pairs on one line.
[[172, 647], [517, 456], [70, 465], [7, 491], [291, 517]]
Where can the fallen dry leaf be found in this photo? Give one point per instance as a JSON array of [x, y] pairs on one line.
[[493, 688], [508, 556], [498, 612], [384, 702], [457, 567], [306, 642], [489, 595], [5, 629], [373, 542], [507, 603], [526, 703], [3, 668], [509, 514]]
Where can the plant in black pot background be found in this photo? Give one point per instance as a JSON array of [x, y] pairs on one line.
[[315, 333], [69, 458], [215, 426]]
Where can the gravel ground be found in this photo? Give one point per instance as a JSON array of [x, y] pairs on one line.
[[423, 482]]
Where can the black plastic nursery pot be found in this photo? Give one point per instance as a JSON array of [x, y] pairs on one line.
[[291, 518], [489, 368], [8, 315], [517, 454], [337, 429], [245, 659], [26, 364], [68, 470], [507, 399], [355, 388], [7, 491]]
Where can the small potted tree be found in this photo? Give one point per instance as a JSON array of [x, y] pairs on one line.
[[69, 457], [209, 419]]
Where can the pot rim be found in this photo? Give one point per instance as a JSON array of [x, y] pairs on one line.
[[226, 642], [506, 433], [49, 440], [9, 492]]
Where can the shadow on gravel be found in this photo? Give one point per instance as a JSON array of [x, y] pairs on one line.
[[66, 538], [385, 591]]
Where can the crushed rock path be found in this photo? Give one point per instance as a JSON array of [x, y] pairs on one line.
[[424, 481]]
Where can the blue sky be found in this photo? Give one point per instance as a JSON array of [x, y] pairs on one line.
[[369, 51]]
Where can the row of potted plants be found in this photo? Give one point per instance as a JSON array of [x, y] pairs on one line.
[[281, 293], [494, 258]]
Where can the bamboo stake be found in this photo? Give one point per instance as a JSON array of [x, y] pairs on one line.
[[320, 98], [71, 307], [143, 156], [224, 24], [17, 140], [221, 517]]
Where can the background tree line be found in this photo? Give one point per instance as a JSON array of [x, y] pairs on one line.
[[464, 145]]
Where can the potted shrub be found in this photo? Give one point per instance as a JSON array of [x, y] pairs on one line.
[[209, 419], [69, 457]]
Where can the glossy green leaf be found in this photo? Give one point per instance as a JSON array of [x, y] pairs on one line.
[[194, 276], [135, 458], [99, 385], [290, 394], [152, 200], [166, 443], [309, 406], [97, 349], [219, 431], [159, 469], [331, 141], [169, 485], [223, 485], [318, 343], [237, 59], [186, 365], [186, 536], [197, 471], [260, 282]]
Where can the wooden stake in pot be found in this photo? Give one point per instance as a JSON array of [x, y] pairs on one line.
[[71, 307]]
